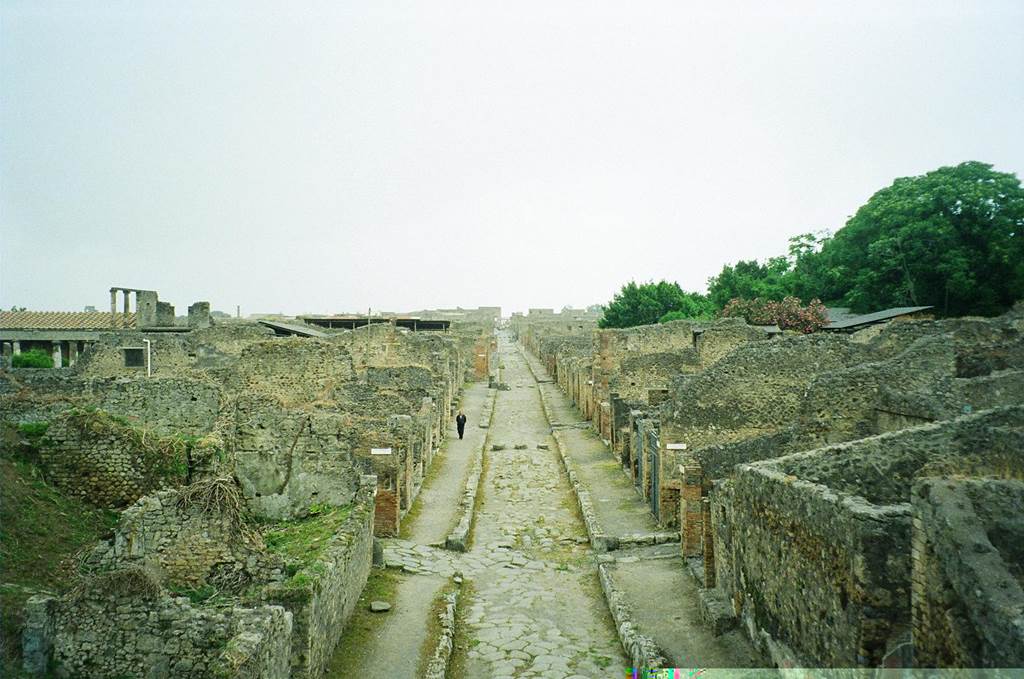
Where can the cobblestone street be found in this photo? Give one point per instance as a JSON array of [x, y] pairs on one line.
[[540, 612]]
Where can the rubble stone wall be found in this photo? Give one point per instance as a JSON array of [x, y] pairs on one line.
[[323, 597], [107, 463], [968, 551], [837, 520]]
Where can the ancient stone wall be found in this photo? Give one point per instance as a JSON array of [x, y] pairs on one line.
[[968, 552], [755, 390], [109, 463], [192, 539], [838, 521], [286, 460], [118, 624], [323, 596]]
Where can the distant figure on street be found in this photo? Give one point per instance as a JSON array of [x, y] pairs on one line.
[[460, 423]]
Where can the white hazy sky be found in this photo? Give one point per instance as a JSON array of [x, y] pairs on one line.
[[336, 156]]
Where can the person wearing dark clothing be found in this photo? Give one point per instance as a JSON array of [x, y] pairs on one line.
[[460, 423]]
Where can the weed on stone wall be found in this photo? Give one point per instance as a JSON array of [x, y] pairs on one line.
[[300, 542], [131, 582], [164, 457]]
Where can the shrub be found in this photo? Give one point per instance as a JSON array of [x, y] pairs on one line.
[[789, 314], [34, 358]]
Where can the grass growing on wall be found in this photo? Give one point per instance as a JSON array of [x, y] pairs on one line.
[[40, 531], [165, 457], [300, 542]]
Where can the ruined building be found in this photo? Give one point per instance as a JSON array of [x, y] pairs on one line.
[[847, 499], [251, 472]]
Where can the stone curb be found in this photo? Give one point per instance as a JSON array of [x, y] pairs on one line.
[[438, 666], [456, 540], [599, 541], [647, 539], [641, 649]]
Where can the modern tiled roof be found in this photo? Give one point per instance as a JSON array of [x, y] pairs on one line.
[[62, 320], [853, 321]]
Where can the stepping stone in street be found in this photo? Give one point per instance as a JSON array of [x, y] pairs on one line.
[[380, 606], [498, 446], [542, 446]]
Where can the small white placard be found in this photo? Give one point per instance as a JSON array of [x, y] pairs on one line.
[[380, 451], [676, 446]]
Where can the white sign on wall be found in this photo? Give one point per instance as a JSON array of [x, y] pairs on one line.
[[380, 451]]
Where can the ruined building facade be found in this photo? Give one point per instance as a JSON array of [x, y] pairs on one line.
[[848, 500]]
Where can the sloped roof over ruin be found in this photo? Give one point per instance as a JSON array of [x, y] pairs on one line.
[[64, 320], [876, 317], [292, 329]]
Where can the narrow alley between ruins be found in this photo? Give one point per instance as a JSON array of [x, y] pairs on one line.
[[530, 598]]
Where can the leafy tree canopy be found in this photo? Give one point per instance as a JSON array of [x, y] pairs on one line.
[[951, 238], [647, 303]]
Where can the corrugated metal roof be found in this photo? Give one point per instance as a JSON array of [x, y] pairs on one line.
[[63, 320], [875, 317], [293, 328]]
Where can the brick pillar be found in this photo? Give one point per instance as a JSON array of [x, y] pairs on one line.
[[690, 509], [708, 543]]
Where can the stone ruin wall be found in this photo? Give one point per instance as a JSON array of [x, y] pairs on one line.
[[838, 520], [968, 554], [758, 400], [107, 463], [322, 609], [107, 632], [295, 419], [124, 618], [186, 545]]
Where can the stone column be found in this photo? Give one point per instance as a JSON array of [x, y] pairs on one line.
[[113, 307], [6, 362], [128, 306], [16, 347], [58, 358], [72, 352]]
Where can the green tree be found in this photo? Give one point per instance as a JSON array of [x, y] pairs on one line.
[[951, 238], [750, 279], [692, 305], [646, 303]]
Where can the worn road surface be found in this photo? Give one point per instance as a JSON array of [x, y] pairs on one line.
[[533, 605]]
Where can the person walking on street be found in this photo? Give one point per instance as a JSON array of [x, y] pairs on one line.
[[460, 423]]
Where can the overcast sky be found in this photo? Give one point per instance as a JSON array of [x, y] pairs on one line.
[[325, 157]]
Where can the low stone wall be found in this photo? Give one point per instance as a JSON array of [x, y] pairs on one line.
[[837, 520], [119, 626], [968, 547], [641, 649], [849, 557], [323, 596], [437, 667]]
